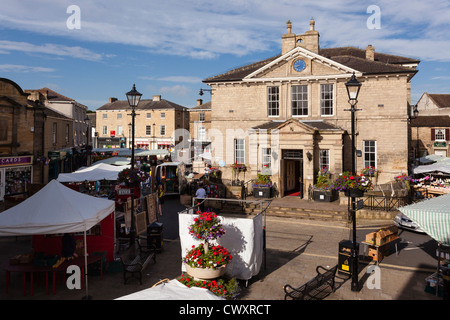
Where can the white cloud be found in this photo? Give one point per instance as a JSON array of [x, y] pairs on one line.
[[204, 29], [51, 49], [177, 90], [23, 69]]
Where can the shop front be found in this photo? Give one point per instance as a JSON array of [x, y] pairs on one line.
[[16, 173]]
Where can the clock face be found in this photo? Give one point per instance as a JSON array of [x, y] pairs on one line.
[[299, 65]]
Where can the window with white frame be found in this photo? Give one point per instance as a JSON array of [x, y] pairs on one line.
[[119, 116], [439, 135], [201, 116], [273, 101], [67, 133], [119, 130], [266, 158], [105, 116], [324, 159], [148, 130], [239, 151], [326, 100], [55, 126], [162, 130], [105, 129], [370, 153], [299, 100], [149, 115], [163, 115], [201, 133]]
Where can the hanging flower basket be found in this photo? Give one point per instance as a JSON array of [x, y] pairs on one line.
[[354, 192]]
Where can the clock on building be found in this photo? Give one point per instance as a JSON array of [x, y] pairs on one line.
[[299, 65]]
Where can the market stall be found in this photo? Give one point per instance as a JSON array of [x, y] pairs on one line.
[[57, 209], [433, 217], [243, 238], [100, 171]]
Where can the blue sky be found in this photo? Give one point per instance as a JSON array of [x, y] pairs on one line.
[[168, 47]]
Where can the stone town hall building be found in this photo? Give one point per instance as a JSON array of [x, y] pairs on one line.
[[290, 113]]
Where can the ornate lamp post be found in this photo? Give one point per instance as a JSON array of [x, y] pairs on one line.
[[133, 97], [353, 87]]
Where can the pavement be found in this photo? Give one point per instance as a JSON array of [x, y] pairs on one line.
[[294, 248]]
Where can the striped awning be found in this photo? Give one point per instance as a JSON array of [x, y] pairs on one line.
[[433, 216]]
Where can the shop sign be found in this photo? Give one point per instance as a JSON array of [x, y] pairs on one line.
[[16, 161], [442, 144], [54, 155]]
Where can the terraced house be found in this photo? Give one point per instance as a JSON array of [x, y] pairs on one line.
[[157, 121], [290, 112]]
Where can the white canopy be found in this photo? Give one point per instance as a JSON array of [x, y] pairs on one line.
[[54, 209], [435, 167], [100, 171], [173, 290], [115, 161]]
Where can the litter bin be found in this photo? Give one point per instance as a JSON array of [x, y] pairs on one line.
[[345, 259], [155, 235]]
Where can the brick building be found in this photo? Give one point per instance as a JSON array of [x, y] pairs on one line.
[[289, 112], [29, 132], [430, 131], [155, 123]]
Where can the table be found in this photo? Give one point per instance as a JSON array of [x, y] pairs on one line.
[[31, 269], [377, 247]]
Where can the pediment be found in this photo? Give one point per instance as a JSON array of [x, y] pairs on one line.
[[312, 66], [293, 126]]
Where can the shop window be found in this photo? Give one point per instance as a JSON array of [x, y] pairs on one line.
[[16, 180]]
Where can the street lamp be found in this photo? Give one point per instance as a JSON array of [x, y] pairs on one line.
[[201, 91], [133, 97], [353, 86]]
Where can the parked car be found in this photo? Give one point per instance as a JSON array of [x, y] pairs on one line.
[[403, 222]]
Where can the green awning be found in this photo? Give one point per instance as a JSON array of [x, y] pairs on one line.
[[433, 216]]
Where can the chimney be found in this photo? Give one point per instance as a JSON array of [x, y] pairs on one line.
[[156, 98], [199, 102], [311, 38], [288, 39], [111, 100], [370, 53]]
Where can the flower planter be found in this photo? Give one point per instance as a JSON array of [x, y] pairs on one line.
[[262, 192], [205, 273], [325, 195], [353, 192]]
